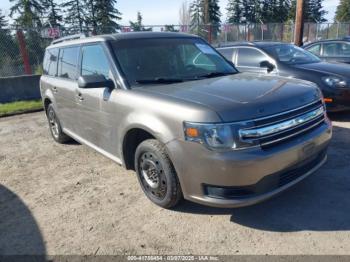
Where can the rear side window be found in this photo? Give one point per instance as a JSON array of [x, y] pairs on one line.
[[94, 61], [330, 49], [250, 57], [67, 62], [344, 49], [227, 53], [315, 49], [50, 62]]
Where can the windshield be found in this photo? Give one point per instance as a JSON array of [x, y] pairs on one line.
[[168, 60], [291, 54]]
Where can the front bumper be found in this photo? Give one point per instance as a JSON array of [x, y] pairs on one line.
[[199, 168]]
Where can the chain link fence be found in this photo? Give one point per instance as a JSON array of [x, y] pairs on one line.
[[22, 50]]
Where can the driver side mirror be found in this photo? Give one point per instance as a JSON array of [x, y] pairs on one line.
[[94, 81], [268, 65]]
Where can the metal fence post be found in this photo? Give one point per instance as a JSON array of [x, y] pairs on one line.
[[327, 31], [338, 30], [24, 53], [282, 27]]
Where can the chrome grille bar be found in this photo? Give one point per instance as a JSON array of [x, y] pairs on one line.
[[254, 133]]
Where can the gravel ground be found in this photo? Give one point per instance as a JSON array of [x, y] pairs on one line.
[[68, 199]]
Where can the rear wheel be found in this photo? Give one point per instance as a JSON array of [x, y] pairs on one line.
[[55, 126], [156, 174]]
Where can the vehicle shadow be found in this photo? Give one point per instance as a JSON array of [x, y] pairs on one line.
[[320, 202], [19, 232]]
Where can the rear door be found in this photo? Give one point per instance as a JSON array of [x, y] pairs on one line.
[[336, 52], [66, 85], [228, 53], [47, 80]]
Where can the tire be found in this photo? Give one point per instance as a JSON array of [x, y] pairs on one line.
[[55, 126], [156, 174]]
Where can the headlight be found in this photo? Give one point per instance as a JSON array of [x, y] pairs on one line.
[[217, 136], [334, 81]]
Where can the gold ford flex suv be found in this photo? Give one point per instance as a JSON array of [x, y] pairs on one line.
[[170, 107]]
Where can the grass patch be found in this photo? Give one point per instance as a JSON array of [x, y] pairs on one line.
[[20, 107]]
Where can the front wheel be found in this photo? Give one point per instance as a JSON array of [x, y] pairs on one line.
[[156, 174]]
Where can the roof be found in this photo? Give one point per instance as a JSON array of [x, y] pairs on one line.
[[254, 43], [119, 36], [345, 39]]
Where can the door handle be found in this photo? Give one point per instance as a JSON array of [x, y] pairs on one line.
[[54, 89]]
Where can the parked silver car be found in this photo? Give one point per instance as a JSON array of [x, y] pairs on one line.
[[172, 108]]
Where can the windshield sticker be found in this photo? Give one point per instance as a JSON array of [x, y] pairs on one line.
[[206, 49]]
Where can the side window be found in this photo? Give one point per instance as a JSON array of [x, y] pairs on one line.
[[330, 49], [250, 57], [67, 62], [50, 62], [315, 49], [227, 53], [94, 61], [344, 49]]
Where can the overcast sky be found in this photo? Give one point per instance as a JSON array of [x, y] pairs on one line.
[[160, 12]]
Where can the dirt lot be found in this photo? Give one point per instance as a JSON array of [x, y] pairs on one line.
[[68, 199]]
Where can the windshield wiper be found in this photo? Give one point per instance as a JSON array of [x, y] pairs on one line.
[[216, 74], [159, 81]]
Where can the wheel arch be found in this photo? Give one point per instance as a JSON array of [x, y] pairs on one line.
[[132, 138]]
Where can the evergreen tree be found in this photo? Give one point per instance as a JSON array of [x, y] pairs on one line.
[[251, 11], [8, 49], [275, 11], [107, 16], [53, 16], [197, 13], [316, 12], [343, 11], [75, 14], [214, 13], [138, 26], [91, 17], [313, 11], [28, 12], [3, 21], [234, 11]]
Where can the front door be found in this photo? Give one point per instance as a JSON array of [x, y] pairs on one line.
[[248, 60], [96, 124]]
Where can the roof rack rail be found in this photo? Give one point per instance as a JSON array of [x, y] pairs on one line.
[[236, 43], [68, 38]]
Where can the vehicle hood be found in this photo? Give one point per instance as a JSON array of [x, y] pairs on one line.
[[242, 96], [339, 69]]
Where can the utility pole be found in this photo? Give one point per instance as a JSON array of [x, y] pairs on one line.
[[206, 11], [206, 20], [299, 23]]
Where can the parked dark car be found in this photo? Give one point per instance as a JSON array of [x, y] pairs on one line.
[[331, 50], [288, 60]]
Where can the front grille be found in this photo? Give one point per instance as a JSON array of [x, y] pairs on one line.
[[266, 184], [276, 129]]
